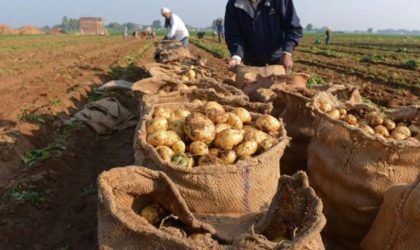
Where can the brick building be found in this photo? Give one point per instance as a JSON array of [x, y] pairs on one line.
[[92, 26]]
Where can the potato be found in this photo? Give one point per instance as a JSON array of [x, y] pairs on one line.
[[198, 102], [389, 124], [180, 113], [213, 105], [198, 148], [243, 114], [153, 214], [247, 128], [415, 130], [181, 86], [246, 149], [267, 144], [177, 125], [325, 107], [156, 124], [185, 78], [234, 121], [199, 128], [221, 127], [334, 114], [368, 129], [375, 119], [178, 147], [350, 119], [381, 130], [209, 160], [228, 156], [172, 138], [216, 116], [268, 123], [191, 74], [162, 112], [165, 153], [255, 135], [214, 152], [228, 139], [403, 130], [181, 160], [343, 113], [159, 138], [398, 136]]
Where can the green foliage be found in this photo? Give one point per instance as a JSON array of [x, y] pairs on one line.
[[411, 64], [70, 24], [315, 80], [88, 190], [56, 102], [32, 195], [33, 157], [26, 116], [373, 59], [216, 51]]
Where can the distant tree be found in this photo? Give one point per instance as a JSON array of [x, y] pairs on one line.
[[157, 24], [370, 30], [70, 24], [46, 28], [132, 26], [309, 27]]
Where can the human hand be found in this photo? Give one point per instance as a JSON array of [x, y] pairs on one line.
[[287, 62], [234, 63]]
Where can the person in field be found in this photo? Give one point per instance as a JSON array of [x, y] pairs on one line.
[[176, 27], [220, 29], [328, 36], [262, 32]]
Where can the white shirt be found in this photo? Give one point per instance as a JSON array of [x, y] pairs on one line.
[[177, 30]]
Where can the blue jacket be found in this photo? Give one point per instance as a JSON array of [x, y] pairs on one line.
[[260, 37]]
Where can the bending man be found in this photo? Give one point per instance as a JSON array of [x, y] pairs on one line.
[[176, 27]]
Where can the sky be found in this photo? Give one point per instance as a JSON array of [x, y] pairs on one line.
[[338, 14]]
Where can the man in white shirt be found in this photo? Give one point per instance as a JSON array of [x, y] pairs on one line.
[[176, 27]]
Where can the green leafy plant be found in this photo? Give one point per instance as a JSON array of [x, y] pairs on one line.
[[27, 116], [33, 157], [373, 59], [56, 102], [315, 80], [411, 64], [32, 195]]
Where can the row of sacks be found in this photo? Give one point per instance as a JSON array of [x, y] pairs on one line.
[[353, 154], [143, 209]]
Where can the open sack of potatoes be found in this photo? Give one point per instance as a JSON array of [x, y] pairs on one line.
[[356, 154], [171, 51], [142, 209], [223, 159], [177, 72], [298, 116]]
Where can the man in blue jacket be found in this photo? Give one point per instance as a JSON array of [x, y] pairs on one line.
[[262, 32]]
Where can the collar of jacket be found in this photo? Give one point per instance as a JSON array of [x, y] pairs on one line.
[[246, 6]]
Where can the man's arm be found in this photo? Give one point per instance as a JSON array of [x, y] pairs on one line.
[[172, 31], [293, 31], [234, 38]]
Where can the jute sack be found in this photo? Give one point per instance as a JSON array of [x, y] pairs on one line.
[[350, 170], [397, 225], [124, 192], [294, 220], [170, 51], [247, 74], [298, 116], [247, 186], [177, 72]]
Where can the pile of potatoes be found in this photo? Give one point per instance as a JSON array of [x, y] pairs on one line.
[[374, 123], [210, 135], [187, 74]]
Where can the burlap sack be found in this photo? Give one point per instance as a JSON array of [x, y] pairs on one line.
[[350, 170], [295, 214], [174, 72], [298, 116], [247, 74], [247, 186], [397, 225], [170, 51], [124, 192]]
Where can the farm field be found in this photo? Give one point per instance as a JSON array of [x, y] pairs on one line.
[[386, 68], [48, 170]]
